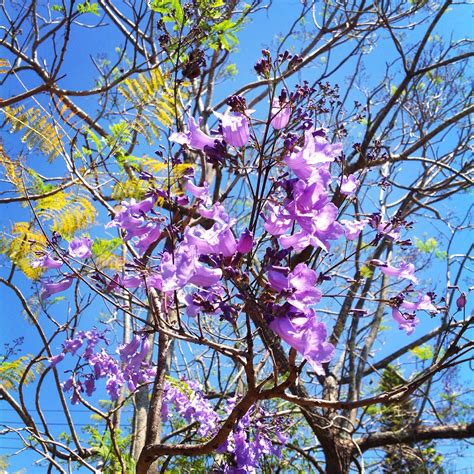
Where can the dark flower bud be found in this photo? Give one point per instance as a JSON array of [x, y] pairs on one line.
[[461, 301]]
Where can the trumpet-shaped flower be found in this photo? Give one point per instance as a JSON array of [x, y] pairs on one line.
[[50, 287], [245, 243], [405, 270], [406, 321], [308, 336], [352, 229], [316, 152], [280, 114], [80, 248], [424, 303], [47, 261], [235, 128], [298, 285], [349, 185], [194, 136]]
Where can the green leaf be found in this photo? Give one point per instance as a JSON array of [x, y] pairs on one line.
[[424, 352], [121, 131], [58, 8], [88, 7], [104, 246], [366, 272]]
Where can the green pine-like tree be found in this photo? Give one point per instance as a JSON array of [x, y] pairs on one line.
[[405, 458]]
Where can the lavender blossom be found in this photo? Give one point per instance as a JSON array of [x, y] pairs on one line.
[[406, 321], [280, 114], [50, 287], [194, 137], [349, 185], [406, 270], [152, 234], [131, 217], [315, 153], [245, 243], [47, 261], [308, 336], [352, 229], [235, 128], [298, 284], [80, 248], [424, 303]]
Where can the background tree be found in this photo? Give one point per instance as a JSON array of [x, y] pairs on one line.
[[104, 132]]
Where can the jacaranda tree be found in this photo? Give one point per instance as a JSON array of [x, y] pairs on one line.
[[207, 274]]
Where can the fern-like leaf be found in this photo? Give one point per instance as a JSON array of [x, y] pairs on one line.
[[23, 247], [38, 130], [154, 99]]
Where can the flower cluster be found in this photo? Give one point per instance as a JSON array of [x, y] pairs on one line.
[[79, 248], [132, 369], [251, 439], [190, 403]]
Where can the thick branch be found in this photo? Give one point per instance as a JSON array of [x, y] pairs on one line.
[[422, 433]]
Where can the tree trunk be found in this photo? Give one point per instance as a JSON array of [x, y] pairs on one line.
[[337, 454]]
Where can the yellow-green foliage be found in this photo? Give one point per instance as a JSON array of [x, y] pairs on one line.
[[69, 213], [38, 130], [104, 256], [163, 179], [78, 214], [13, 171], [130, 188], [154, 101], [12, 372], [23, 246]]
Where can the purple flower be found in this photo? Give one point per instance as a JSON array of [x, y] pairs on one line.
[[205, 276], [80, 248], [126, 281], [46, 261], [280, 114], [194, 137], [127, 350], [89, 385], [131, 217], [245, 243], [405, 321], [152, 234], [56, 359], [406, 270], [219, 239], [316, 232], [352, 229], [349, 185], [50, 288], [299, 284], [308, 336], [189, 402], [389, 230], [201, 193], [73, 345], [203, 301], [76, 386], [175, 273], [235, 128], [424, 303], [315, 153], [278, 220], [311, 209]]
